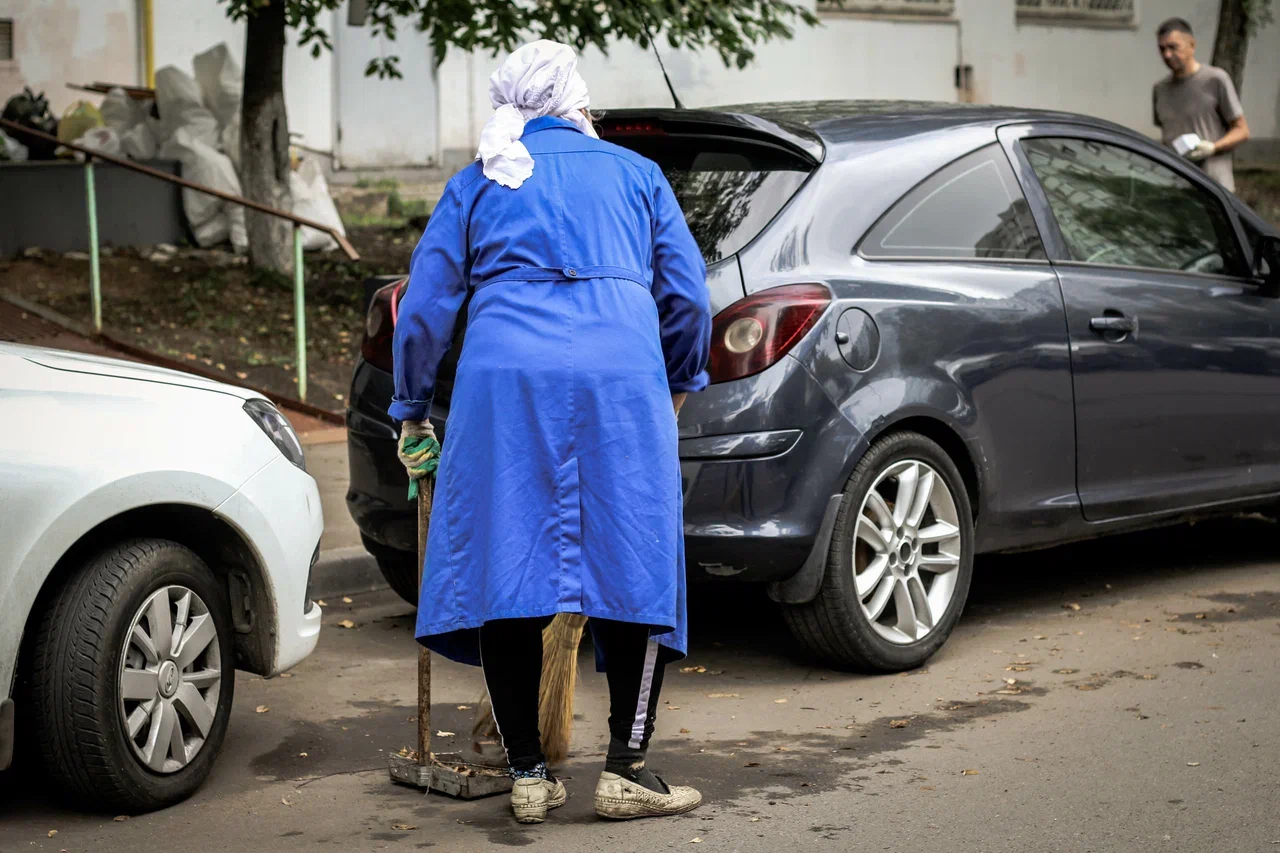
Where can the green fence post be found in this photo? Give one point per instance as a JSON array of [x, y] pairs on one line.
[[299, 312], [95, 274]]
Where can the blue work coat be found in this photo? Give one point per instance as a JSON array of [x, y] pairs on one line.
[[559, 487]]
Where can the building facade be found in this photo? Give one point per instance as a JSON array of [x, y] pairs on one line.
[[1090, 56]]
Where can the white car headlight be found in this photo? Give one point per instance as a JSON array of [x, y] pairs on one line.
[[278, 429]]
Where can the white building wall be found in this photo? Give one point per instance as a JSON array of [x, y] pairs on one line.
[[70, 41]]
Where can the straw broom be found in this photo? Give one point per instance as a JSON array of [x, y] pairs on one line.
[[560, 642]]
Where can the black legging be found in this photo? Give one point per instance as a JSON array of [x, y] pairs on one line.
[[511, 651]]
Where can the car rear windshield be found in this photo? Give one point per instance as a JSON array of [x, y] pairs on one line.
[[729, 189]]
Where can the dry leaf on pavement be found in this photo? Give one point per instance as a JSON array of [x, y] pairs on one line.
[[1017, 667], [403, 827], [346, 623], [261, 709], [899, 724], [693, 669], [724, 695], [285, 801], [302, 755], [1193, 763], [1041, 637], [1071, 605], [120, 818], [346, 599], [1066, 671], [695, 841], [445, 734], [52, 833], [1011, 681], [968, 772], [779, 701]]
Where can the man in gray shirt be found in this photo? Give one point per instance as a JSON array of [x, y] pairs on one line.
[[1197, 99]]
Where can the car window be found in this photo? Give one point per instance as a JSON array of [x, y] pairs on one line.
[[1118, 207], [972, 208]]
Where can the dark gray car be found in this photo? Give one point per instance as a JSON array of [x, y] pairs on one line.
[[941, 330]]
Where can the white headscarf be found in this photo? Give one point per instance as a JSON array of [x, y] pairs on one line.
[[539, 79]]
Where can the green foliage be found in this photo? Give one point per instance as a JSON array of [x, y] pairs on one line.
[[1257, 14], [730, 27]]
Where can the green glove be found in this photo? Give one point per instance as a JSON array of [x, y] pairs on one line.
[[421, 457]]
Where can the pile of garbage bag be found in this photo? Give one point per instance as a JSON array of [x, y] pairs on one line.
[[194, 119]]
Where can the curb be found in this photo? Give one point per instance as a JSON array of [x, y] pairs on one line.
[[344, 571]]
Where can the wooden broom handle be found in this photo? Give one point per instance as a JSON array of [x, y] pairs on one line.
[[426, 490]]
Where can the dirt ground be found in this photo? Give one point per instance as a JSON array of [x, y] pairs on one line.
[[209, 306]]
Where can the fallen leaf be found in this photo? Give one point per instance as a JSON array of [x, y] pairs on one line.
[[464, 707], [445, 734], [968, 772], [822, 727], [403, 827], [693, 669], [1066, 671], [1041, 637], [262, 709], [1011, 681], [120, 818], [1017, 667], [783, 749], [779, 701], [286, 675], [684, 731], [321, 603], [52, 833], [1201, 616], [927, 788], [1085, 687], [695, 841], [346, 623], [752, 764], [724, 695], [1071, 606], [1010, 691], [1150, 676], [1193, 763], [673, 707], [240, 374], [346, 599], [285, 801], [899, 724], [755, 820]]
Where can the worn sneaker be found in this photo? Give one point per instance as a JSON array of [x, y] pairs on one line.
[[531, 799], [618, 798]]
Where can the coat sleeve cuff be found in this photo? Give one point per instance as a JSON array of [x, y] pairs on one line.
[[695, 383], [409, 410]]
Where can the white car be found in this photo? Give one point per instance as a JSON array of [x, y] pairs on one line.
[[157, 532]]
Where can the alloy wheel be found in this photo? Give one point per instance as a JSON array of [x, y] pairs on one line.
[[907, 551]]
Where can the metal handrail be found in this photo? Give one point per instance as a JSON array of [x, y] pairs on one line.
[[95, 277]]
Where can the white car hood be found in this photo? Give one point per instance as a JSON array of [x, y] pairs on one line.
[[99, 366]]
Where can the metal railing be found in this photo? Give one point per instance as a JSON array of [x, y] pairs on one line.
[[299, 222]]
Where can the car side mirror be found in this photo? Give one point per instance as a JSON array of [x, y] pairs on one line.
[[1266, 265]]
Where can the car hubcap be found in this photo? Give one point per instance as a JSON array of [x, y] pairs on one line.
[[170, 677], [906, 552]]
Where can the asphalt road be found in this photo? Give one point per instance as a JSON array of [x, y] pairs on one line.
[[1145, 720]]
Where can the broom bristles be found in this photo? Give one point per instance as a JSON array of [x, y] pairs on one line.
[[559, 677], [560, 642]]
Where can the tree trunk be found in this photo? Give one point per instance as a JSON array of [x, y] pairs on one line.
[[264, 138], [1231, 45]]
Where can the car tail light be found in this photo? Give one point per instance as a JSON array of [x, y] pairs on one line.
[[380, 325], [754, 333]]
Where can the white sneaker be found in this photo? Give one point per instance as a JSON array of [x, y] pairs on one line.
[[531, 799], [618, 798]]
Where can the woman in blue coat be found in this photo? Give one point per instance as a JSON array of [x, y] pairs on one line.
[[559, 490]]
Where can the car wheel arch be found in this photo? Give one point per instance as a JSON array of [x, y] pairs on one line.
[[223, 548], [947, 435]]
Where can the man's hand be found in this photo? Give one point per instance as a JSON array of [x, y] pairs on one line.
[[677, 400], [1203, 150]]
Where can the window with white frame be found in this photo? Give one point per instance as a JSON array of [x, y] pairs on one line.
[[932, 8], [6, 39], [1119, 13]]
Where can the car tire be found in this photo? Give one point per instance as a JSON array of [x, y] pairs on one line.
[[87, 646], [838, 624], [399, 568]]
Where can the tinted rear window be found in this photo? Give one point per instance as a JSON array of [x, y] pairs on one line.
[[729, 189]]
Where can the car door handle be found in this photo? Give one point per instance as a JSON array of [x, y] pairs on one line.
[[1114, 324]]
